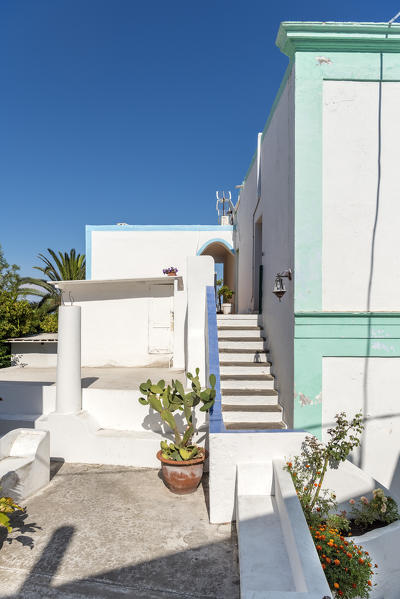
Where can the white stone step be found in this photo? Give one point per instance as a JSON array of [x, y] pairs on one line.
[[253, 417], [234, 317], [238, 322], [245, 369], [236, 401], [239, 345], [248, 384], [255, 333], [253, 357], [260, 426]]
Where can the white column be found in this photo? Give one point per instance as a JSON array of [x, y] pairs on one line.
[[68, 385]]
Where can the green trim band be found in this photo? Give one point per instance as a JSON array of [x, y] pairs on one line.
[[337, 37]]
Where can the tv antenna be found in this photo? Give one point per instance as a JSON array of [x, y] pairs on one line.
[[224, 207]]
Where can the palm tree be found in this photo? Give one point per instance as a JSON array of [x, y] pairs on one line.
[[64, 267]]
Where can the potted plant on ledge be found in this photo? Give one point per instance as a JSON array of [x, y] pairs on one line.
[[182, 461], [171, 271], [226, 293]]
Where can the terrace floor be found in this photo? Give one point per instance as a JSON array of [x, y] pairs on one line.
[[95, 378], [111, 531]]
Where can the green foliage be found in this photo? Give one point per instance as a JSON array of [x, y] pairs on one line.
[[338, 521], [308, 470], [381, 509], [49, 323], [226, 293], [171, 451], [172, 398], [9, 277], [17, 316], [347, 567], [8, 506], [58, 267]]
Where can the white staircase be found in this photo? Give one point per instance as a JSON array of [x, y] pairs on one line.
[[249, 399]]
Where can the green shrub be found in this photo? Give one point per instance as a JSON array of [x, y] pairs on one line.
[[49, 323], [381, 509], [8, 506], [309, 468], [347, 567], [225, 293]]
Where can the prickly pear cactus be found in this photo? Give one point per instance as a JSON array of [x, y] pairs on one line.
[[172, 398]]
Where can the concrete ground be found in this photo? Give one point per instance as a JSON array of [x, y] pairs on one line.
[[96, 378], [111, 531]]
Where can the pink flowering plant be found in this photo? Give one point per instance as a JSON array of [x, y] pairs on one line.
[[380, 509], [170, 269]]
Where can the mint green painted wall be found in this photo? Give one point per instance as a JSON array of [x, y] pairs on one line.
[[309, 78], [347, 334], [318, 334]]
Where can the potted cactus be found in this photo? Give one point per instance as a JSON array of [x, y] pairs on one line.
[[226, 295], [182, 461]]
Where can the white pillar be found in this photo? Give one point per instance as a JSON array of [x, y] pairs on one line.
[[199, 274], [68, 385]]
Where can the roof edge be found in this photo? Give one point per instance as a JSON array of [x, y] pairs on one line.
[[307, 36]]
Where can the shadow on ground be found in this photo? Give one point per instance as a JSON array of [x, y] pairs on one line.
[[106, 531]]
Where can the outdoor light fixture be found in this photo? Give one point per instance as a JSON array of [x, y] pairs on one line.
[[279, 286]]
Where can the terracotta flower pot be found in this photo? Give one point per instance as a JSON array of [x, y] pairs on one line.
[[182, 477], [172, 274]]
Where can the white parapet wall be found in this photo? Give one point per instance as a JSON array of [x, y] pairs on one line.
[[227, 450], [200, 274], [24, 462]]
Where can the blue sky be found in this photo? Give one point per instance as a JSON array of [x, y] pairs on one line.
[[127, 111]]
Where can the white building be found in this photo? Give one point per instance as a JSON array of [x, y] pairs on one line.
[[319, 199]]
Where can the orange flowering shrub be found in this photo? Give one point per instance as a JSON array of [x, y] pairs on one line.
[[347, 567]]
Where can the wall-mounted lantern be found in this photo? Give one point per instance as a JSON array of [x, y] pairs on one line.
[[279, 286]]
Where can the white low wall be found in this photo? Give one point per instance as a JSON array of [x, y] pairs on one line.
[[306, 568], [24, 462], [200, 275], [34, 355], [229, 449], [117, 409], [277, 555]]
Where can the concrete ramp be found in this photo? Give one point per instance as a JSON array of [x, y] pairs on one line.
[[277, 557]]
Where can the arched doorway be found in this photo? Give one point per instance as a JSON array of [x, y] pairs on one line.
[[224, 259]]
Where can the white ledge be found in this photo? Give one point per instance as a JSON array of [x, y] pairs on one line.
[[164, 280]]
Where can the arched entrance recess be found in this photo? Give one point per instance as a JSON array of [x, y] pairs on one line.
[[223, 254]]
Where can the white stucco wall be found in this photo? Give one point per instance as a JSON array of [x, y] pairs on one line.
[[276, 207], [351, 384], [116, 323], [350, 180], [125, 254], [34, 355]]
